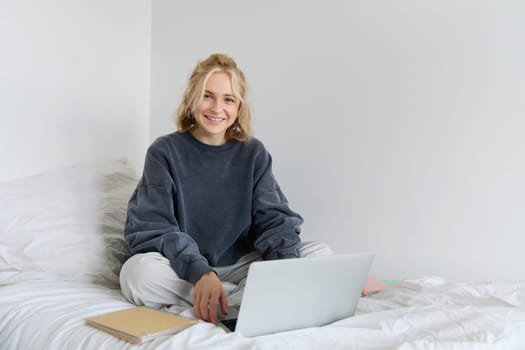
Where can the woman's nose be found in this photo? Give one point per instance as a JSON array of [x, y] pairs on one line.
[[216, 106]]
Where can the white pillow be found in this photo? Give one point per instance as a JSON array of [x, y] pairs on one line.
[[66, 224]]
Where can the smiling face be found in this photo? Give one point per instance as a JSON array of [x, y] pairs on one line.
[[217, 111]]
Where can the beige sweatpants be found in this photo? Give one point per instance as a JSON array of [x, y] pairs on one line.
[[148, 279]]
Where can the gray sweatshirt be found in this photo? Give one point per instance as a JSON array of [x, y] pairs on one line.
[[203, 206]]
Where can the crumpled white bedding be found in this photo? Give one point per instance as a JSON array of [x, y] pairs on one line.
[[61, 249], [428, 313]]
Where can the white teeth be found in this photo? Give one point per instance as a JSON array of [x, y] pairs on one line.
[[213, 118]]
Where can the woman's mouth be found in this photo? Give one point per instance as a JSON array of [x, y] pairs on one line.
[[214, 119]]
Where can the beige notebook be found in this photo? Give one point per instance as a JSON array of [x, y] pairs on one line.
[[139, 324]]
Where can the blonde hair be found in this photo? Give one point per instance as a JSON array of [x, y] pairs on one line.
[[241, 129]]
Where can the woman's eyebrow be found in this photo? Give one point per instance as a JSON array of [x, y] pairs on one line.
[[225, 95]]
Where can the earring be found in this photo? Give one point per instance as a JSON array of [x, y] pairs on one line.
[[237, 127], [191, 118]]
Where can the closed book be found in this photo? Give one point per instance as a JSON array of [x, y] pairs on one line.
[[139, 324]]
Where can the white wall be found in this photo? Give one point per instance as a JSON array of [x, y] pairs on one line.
[[395, 126], [74, 83]]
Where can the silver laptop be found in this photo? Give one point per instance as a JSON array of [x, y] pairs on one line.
[[283, 295]]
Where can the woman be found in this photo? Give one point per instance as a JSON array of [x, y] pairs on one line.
[[207, 204]]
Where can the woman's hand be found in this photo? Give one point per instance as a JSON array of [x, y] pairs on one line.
[[207, 295]]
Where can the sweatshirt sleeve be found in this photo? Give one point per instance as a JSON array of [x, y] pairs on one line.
[[275, 225], [151, 225]]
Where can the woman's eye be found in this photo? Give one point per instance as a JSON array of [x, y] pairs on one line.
[[229, 100], [207, 96]]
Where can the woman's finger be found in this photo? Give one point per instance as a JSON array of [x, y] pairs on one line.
[[203, 306], [224, 302]]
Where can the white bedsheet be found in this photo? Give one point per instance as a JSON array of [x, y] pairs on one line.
[[61, 232], [421, 314]]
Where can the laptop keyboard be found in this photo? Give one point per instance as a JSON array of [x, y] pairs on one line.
[[230, 323]]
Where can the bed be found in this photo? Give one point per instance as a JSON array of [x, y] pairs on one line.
[[61, 248]]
